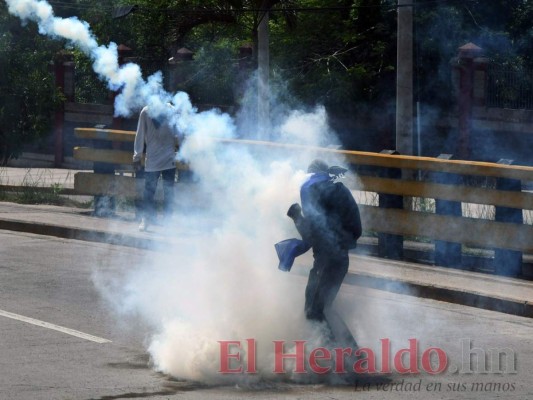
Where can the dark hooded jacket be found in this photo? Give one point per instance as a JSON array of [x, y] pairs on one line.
[[331, 218]]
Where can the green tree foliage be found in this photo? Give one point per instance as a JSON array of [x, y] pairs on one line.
[[339, 53], [521, 31], [336, 57], [26, 85]]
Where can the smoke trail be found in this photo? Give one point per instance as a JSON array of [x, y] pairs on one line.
[[220, 280], [135, 92]]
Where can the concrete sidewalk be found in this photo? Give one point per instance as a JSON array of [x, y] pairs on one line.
[[508, 295]]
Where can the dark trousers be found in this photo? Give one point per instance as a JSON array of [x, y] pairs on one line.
[[150, 186], [325, 279]]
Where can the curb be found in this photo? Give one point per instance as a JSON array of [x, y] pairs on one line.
[[87, 235], [441, 293]]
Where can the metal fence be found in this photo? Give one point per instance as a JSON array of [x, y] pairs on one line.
[[509, 87]]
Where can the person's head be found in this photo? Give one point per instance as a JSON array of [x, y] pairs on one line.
[[317, 165]]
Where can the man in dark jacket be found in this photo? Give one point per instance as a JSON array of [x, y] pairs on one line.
[[331, 225]]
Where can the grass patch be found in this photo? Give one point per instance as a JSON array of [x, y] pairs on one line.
[[32, 191], [43, 195]]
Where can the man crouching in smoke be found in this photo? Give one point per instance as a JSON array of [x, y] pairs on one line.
[[331, 225]]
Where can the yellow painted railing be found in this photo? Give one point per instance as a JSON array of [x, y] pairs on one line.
[[457, 229]]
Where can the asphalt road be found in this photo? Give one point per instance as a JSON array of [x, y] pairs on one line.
[[59, 340]]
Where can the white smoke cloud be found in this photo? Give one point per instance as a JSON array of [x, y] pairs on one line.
[[308, 128], [219, 281]]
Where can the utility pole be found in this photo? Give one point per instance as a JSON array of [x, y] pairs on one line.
[[263, 66], [404, 79]]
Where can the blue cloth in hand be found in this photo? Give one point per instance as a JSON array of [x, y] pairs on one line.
[[288, 250]]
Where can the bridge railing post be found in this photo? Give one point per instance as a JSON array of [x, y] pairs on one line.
[[447, 254], [389, 245], [104, 206], [508, 262]]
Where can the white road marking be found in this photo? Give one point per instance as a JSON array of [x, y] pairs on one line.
[[43, 324]]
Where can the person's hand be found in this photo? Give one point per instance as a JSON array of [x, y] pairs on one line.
[[295, 211], [137, 166]]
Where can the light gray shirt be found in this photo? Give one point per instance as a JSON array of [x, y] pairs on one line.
[[161, 142]]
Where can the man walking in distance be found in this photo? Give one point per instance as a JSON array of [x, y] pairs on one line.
[[155, 136]]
